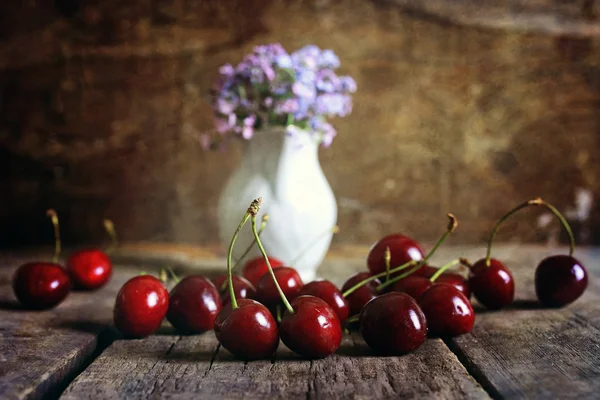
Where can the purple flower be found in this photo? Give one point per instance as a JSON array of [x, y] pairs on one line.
[[328, 59], [222, 125], [288, 106], [225, 106], [347, 84], [303, 90], [330, 104], [226, 70]]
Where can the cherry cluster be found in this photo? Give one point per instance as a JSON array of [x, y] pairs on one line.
[[43, 285]]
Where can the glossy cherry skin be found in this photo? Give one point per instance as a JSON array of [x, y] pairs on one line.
[[402, 249], [89, 269], [414, 286], [493, 286], [361, 296], [242, 288], [255, 268], [448, 311], [313, 330], [41, 285], [393, 323], [426, 270], [193, 305], [288, 279], [560, 280], [249, 332], [327, 291], [141, 306], [456, 280]]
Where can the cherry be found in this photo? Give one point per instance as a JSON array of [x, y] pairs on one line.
[[287, 278], [493, 285], [327, 291], [89, 269], [41, 285], [313, 330], [415, 286], [256, 268], [560, 280], [393, 323], [242, 288], [448, 311], [193, 305], [402, 249], [249, 332], [140, 307], [361, 296], [456, 280]]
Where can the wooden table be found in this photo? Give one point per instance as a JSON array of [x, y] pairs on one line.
[[522, 352]]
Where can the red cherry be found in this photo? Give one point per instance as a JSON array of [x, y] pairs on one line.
[[364, 294], [313, 330], [242, 288], [456, 280], [426, 270], [448, 311], [493, 286], [327, 291], [255, 268], [414, 286], [402, 249], [41, 285], [249, 332], [560, 280], [393, 323], [288, 279], [89, 269], [141, 305], [193, 305]]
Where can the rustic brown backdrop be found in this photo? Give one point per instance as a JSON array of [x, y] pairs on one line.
[[460, 108]]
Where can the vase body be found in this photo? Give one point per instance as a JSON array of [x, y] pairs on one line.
[[285, 171]]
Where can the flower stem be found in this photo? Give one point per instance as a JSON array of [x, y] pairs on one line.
[[379, 275], [534, 202], [443, 269], [109, 227], [54, 218], [564, 223], [264, 253]]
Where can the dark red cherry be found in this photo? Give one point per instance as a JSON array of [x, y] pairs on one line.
[[361, 296], [141, 305], [456, 280], [393, 323], [426, 270], [402, 249], [327, 291], [249, 332], [255, 268], [242, 288], [560, 280], [493, 286], [89, 269], [448, 311], [288, 279], [414, 286], [193, 305], [41, 285], [313, 330]]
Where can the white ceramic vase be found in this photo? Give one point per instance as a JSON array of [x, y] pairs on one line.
[[284, 170]]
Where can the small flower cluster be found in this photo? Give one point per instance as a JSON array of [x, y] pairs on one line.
[[271, 87]]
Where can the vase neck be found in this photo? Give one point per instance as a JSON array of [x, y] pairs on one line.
[[274, 141]]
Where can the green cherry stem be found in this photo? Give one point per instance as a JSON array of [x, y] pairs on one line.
[[54, 218], [443, 269], [173, 274], [264, 254], [452, 224], [109, 227], [564, 223], [377, 276], [353, 319], [255, 205], [387, 257], [534, 202], [263, 224]]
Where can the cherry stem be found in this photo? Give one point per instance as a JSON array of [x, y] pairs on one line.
[[54, 218], [278, 312], [173, 274], [534, 202], [353, 319], [387, 256], [263, 224], [452, 224], [564, 223], [305, 250], [162, 275], [264, 254], [377, 276], [443, 269], [109, 227], [254, 205]]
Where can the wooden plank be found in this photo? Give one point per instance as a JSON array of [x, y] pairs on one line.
[[40, 352], [531, 352]]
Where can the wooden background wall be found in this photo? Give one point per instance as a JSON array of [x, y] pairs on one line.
[[459, 109]]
